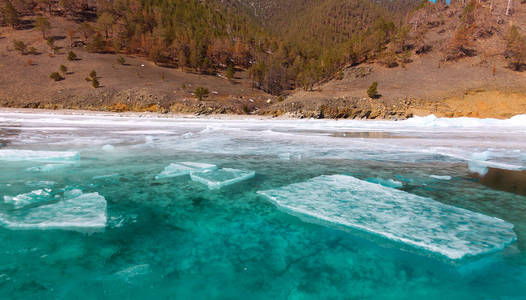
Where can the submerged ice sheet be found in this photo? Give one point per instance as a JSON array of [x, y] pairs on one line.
[[47, 168], [223, 177], [32, 197], [40, 156], [184, 168], [418, 221], [77, 211]]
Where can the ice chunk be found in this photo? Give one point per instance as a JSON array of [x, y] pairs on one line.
[[184, 168], [32, 197], [40, 156], [397, 215], [478, 164], [83, 212], [222, 177], [441, 177], [47, 168], [386, 182], [108, 148]]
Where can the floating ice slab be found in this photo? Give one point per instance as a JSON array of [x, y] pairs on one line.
[[184, 168], [84, 212], [397, 215], [222, 177], [32, 197], [40, 156]]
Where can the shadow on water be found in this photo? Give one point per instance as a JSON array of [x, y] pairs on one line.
[[511, 181]]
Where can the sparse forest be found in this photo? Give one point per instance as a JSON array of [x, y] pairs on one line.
[[299, 45]]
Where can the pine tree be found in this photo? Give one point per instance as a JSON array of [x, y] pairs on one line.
[[372, 91], [42, 25], [10, 15]]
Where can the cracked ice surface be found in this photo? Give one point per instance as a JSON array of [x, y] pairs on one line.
[[397, 215]]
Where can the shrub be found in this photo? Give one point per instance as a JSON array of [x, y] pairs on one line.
[[230, 72], [72, 56], [50, 42], [93, 74], [121, 60], [372, 91], [56, 76], [32, 50], [63, 69], [95, 83], [201, 92], [20, 47], [280, 99]]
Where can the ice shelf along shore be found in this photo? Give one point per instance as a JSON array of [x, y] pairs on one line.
[[397, 215]]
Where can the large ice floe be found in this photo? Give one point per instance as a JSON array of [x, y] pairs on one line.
[[218, 179], [184, 168], [75, 211], [39, 156], [397, 215]]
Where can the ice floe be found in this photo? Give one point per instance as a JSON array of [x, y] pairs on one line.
[[39, 156], [184, 168], [217, 179], [397, 215], [77, 211], [478, 163], [108, 148]]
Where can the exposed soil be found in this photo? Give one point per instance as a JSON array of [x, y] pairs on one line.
[[480, 86]]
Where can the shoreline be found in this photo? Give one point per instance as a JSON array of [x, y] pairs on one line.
[[146, 115], [233, 117]]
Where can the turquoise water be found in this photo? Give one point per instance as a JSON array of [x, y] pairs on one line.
[[173, 238]]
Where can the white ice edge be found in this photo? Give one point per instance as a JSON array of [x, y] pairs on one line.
[[218, 184], [184, 168]]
